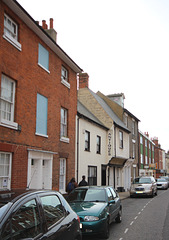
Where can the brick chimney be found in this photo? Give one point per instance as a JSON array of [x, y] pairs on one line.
[[155, 140], [147, 134], [51, 31], [83, 80]]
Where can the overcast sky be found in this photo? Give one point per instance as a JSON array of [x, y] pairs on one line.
[[124, 47]]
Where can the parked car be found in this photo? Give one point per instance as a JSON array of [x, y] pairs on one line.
[[143, 186], [37, 215], [162, 183], [166, 178], [97, 207]]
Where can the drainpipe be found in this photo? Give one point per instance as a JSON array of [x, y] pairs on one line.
[[114, 154], [138, 140], [77, 171]]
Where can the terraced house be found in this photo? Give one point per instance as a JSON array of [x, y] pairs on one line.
[[112, 163], [38, 103]]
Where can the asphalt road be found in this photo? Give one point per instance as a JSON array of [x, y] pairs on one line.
[[143, 219]]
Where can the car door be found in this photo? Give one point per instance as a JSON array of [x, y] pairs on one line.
[[111, 204], [56, 218], [22, 221], [117, 202]]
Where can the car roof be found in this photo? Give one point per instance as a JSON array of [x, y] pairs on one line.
[[94, 187], [14, 195]]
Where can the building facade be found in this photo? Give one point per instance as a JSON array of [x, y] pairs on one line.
[[91, 157], [117, 165], [147, 166], [38, 104]]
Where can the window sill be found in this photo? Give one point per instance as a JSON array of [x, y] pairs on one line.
[[41, 135], [9, 124], [44, 68], [64, 139], [13, 41], [65, 83]]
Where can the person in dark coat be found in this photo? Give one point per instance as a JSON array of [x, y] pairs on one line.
[[83, 182], [71, 185]]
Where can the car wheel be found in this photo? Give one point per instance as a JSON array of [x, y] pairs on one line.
[[118, 219], [106, 232]]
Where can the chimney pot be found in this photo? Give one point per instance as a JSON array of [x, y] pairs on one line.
[[51, 23], [43, 24]]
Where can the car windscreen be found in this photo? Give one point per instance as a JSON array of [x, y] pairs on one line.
[[161, 180], [142, 180], [87, 195]]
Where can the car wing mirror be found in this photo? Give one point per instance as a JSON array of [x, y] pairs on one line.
[[111, 201]]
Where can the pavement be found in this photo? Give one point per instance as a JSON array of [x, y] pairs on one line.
[[124, 195]]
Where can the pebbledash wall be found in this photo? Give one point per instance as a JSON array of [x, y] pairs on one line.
[[28, 156]]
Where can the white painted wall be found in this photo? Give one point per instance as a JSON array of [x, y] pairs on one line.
[[91, 158]]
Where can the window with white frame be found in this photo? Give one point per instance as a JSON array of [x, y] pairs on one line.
[[153, 154], [87, 141], [141, 148], [11, 31], [62, 175], [41, 115], [133, 127], [133, 150], [92, 175], [43, 58], [5, 170], [120, 139], [149, 153], [7, 102], [98, 146], [63, 127], [64, 77]]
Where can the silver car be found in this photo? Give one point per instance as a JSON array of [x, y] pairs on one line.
[[162, 183], [143, 186]]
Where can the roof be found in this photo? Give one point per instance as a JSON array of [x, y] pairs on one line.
[[110, 112], [83, 111], [38, 30], [125, 110]]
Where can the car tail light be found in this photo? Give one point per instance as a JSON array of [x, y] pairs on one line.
[[78, 219]]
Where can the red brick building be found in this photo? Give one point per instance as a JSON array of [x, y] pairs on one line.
[[38, 104]]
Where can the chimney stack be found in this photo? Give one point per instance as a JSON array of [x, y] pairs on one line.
[[51, 31], [83, 80]]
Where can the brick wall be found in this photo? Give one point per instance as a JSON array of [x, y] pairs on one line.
[[22, 67]]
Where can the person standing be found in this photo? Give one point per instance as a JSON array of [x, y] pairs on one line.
[[83, 181], [71, 185]]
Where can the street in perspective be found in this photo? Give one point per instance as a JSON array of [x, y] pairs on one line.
[[143, 218]]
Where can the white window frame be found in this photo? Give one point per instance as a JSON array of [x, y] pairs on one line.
[[133, 126], [6, 179], [10, 35], [98, 144], [133, 149], [4, 121], [63, 126], [62, 175], [87, 141], [120, 139], [64, 77]]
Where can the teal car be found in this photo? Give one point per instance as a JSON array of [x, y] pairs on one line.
[[96, 207]]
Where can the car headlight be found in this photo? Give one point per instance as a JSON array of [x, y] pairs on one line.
[[90, 218]]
